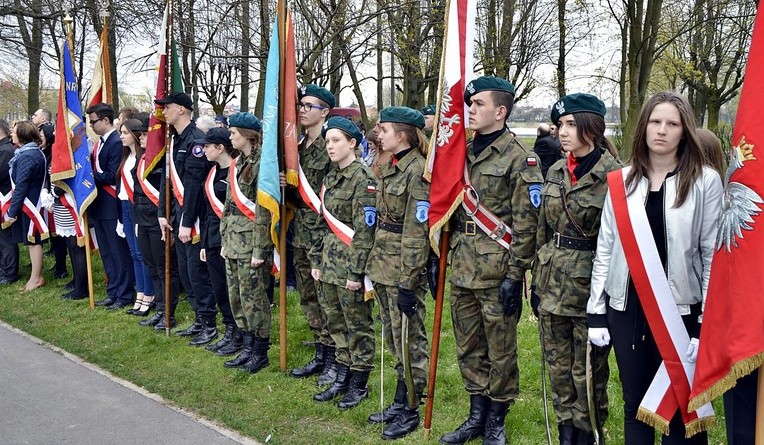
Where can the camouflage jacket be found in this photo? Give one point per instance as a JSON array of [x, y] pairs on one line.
[[242, 238], [397, 259], [349, 197], [315, 164], [562, 275], [504, 175]]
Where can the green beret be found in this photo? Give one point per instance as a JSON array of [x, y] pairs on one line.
[[429, 110], [577, 103], [344, 125], [318, 92], [244, 120], [402, 115], [487, 83]]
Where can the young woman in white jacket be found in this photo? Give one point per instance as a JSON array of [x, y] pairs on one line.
[[678, 202]]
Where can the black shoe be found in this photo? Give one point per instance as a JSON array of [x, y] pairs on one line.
[[567, 434], [230, 330], [406, 422], [234, 346], [163, 323], [329, 373], [72, 295], [391, 412], [9, 280], [60, 275], [209, 332], [69, 286], [357, 390], [583, 437], [246, 353], [259, 358], [153, 320], [314, 366], [340, 385], [118, 305], [192, 330], [140, 313], [495, 433], [108, 301], [474, 426]]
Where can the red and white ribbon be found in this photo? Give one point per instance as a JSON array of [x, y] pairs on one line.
[[151, 192], [489, 223], [307, 193], [126, 179], [245, 205], [177, 185], [209, 189]]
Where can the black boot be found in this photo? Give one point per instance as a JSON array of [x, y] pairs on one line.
[[314, 366], [192, 330], [474, 426], [340, 385], [259, 358], [208, 333], [391, 412], [357, 390], [567, 433], [161, 325], [403, 425], [583, 437], [234, 346], [230, 330], [494, 426], [329, 374], [246, 353], [153, 320]]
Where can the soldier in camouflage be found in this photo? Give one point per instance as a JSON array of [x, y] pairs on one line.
[[348, 199], [248, 248], [569, 221], [486, 283], [398, 258]]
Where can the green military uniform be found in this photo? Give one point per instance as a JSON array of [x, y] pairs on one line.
[[561, 276], [486, 339], [399, 255], [349, 196], [242, 241]]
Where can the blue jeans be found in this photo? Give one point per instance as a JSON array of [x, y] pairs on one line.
[[143, 281]]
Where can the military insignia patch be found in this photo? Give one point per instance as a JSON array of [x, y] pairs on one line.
[[370, 215], [471, 88], [371, 188], [535, 194], [560, 106], [530, 161], [198, 151], [422, 211]]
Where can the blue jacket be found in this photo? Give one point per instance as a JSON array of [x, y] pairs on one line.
[[28, 175], [106, 206]]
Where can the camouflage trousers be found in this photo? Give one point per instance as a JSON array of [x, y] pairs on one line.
[[564, 347], [309, 290], [419, 349], [349, 322], [248, 293], [486, 343]]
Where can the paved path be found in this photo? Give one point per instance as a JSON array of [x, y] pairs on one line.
[[49, 396]]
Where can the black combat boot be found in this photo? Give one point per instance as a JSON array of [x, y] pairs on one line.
[[246, 353], [153, 320], [391, 412], [329, 374], [191, 330], [357, 390], [234, 346], [494, 426], [474, 426], [340, 385], [583, 437], [314, 366], [567, 433], [259, 358], [161, 326], [230, 330], [404, 424], [208, 333]]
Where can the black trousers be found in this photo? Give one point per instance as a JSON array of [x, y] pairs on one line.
[[117, 262], [9, 256], [638, 360], [216, 268], [152, 247], [79, 265], [59, 247], [196, 279], [740, 410]]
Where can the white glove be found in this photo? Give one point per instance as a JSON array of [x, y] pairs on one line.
[[46, 199], [692, 350], [599, 336], [120, 229]]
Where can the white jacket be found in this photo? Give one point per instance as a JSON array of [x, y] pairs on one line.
[[690, 238]]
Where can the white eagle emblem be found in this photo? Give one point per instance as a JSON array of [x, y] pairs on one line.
[[560, 107], [741, 203]]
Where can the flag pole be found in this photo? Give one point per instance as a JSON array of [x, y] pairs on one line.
[[88, 260], [281, 15], [168, 182]]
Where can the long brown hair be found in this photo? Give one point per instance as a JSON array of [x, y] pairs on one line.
[[712, 148], [414, 136], [134, 126], [590, 128], [689, 153]]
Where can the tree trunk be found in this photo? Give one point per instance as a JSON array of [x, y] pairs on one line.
[[561, 4], [245, 29]]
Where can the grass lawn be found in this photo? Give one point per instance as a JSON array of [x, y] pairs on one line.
[[270, 405]]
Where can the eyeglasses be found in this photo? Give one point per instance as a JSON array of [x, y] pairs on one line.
[[309, 106], [93, 122]]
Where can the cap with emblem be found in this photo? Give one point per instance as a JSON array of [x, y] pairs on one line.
[[216, 136], [487, 83], [402, 115], [317, 92], [344, 125], [244, 120], [577, 103], [429, 110], [182, 99]]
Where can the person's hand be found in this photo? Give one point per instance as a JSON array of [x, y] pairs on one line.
[[120, 229], [352, 285], [184, 234], [433, 269], [599, 337], [692, 350], [535, 301], [257, 262], [203, 255], [316, 274], [164, 226], [509, 296], [46, 199], [282, 179], [407, 301]]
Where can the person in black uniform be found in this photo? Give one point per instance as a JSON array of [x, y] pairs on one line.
[[546, 147], [9, 250]]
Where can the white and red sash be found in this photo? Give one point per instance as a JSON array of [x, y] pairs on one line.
[[37, 224], [670, 388], [151, 192], [126, 179], [209, 189], [345, 234], [178, 190], [245, 205], [110, 189], [307, 193], [489, 223]]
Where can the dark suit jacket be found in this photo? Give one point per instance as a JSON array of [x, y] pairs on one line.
[[6, 153], [106, 206]]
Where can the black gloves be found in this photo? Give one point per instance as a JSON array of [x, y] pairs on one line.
[[510, 293], [535, 301], [433, 269], [407, 301]]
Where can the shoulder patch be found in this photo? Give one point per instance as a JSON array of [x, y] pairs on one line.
[[197, 151], [534, 190], [370, 215], [422, 211], [371, 188], [531, 161]]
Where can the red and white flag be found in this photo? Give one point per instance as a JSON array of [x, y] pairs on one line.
[[100, 87]]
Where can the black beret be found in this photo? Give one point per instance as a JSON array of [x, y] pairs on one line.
[[429, 110], [318, 92], [182, 99], [402, 115], [577, 103], [345, 125], [217, 135], [487, 83], [244, 119]]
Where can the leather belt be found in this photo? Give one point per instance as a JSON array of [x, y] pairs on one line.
[[467, 227], [574, 243], [390, 227]]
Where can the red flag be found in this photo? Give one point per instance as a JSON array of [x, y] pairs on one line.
[[732, 338], [289, 99], [100, 87], [448, 146]]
